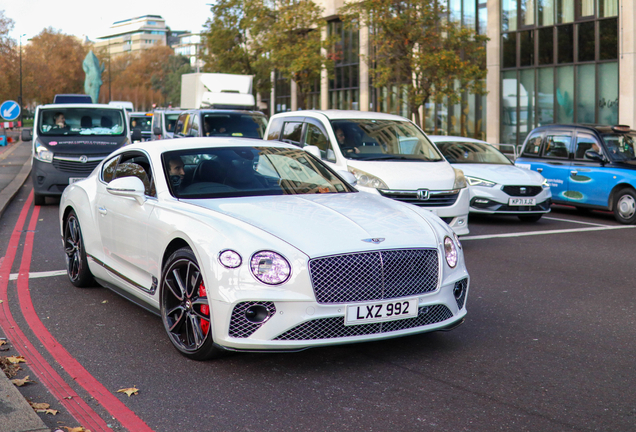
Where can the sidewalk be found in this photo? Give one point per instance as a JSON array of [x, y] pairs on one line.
[[16, 415]]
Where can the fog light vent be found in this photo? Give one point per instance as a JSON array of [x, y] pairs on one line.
[[247, 317], [459, 291]]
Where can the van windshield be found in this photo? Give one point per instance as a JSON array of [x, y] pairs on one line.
[[141, 122], [81, 121], [368, 139]]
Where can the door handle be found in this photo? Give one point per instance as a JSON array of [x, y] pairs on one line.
[[539, 170], [574, 172], [102, 210]]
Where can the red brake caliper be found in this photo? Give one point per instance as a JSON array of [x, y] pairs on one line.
[[205, 310]]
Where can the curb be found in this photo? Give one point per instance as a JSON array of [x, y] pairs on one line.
[[16, 415], [12, 189]]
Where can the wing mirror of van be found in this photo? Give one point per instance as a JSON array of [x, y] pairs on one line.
[[27, 135], [348, 177], [136, 135]]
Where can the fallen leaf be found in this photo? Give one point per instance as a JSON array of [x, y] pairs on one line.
[[129, 391], [76, 429], [48, 411], [16, 359], [21, 382], [105, 301], [39, 406], [9, 369]]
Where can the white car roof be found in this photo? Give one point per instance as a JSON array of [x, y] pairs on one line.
[[451, 138], [80, 105], [188, 143], [342, 114]]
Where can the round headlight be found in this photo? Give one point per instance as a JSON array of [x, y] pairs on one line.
[[270, 268], [230, 258], [450, 252]]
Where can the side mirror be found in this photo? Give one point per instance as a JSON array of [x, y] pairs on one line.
[[131, 187], [348, 177], [594, 155], [313, 150], [156, 130], [136, 135], [27, 135]]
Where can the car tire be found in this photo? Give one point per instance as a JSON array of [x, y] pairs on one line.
[[185, 310], [76, 262], [39, 200], [625, 206], [530, 218]]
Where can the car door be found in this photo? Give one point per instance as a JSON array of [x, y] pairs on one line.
[[589, 179], [554, 163], [316, 135], [123, 223]]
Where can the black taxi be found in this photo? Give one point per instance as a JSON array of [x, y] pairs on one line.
[[587, 166]]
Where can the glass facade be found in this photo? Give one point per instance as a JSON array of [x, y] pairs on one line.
[[559, 64], [344, 87], [282, 92]]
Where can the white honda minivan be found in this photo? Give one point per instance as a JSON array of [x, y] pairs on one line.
[[388, 154]]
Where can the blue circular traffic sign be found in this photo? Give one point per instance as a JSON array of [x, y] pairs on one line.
[[10, 110]]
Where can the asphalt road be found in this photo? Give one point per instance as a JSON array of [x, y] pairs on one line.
[[548, 345]]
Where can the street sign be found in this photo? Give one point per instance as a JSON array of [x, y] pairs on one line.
[[10, 110]]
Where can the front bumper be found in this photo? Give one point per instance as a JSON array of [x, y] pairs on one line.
[[297, 325], [494, 200]]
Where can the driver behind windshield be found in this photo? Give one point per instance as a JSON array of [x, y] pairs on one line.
[[60, 122], [176, 172]]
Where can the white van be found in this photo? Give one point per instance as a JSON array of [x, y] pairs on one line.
[[128, 106], [388, 154]]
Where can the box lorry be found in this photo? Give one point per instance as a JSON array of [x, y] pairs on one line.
[[217, 91]]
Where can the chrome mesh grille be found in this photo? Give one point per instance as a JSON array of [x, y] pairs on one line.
[[240, 326], [330, 328], [463, 285], [374, 275]]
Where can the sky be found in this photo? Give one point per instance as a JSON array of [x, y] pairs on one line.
[[92, 18]]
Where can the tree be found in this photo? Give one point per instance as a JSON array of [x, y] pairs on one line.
[[170, 84], [9, 62], [417, 49], [294, 43], [234, 40], [52, 64]]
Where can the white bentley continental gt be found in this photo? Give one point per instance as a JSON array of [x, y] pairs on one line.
[[250, 245]]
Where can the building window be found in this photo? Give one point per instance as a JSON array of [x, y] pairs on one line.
[[282, 90], [344, 87]]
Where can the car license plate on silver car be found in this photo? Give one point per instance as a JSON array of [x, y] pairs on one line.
[[381, 311], [75, 179], [522, 202]]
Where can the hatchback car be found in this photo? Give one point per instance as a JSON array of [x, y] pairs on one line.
[[262, 247], [141, 122], [589, 167], [496, 185], [388, 154], [220, 123]]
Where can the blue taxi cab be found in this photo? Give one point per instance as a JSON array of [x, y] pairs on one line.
[[589, 167]]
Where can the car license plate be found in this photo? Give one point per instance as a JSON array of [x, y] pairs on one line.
[[381, 311], [522, 201], [75, 179]]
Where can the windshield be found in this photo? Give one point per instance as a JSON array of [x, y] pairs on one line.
[[171, 121], [367, 139], [471, 152], [81, 121], [143, 123], [234, 124], [620, 147], [247, 171]]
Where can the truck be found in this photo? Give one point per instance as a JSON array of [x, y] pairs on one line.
[[217, 91]]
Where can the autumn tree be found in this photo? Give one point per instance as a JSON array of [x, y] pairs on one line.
[[9, 62], [234, 38], [415, 47], [52, 64]]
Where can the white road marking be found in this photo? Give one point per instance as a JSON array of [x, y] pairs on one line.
[[533, 233], [36, 275], [574, 221]]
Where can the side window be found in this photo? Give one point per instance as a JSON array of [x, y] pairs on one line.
[[585, 142], [316, 137], [557, 146], [136, 165], [274, 129], [108, 169], [533, 145], [181, 125], [194, 125], [291, 133]]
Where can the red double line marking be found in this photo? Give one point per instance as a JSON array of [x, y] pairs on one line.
[[47, 375]]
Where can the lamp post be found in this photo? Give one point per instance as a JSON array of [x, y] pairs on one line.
[[20, 98], [109, 95]]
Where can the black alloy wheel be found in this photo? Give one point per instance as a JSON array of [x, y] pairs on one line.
[[185, 310], [76, 263], [625, 206]]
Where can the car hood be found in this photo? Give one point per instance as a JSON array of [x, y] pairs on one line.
[[502, 174], [405, 175], [332, 223]]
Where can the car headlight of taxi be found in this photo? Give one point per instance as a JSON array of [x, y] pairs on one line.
[[450, 252], [460, 179], [42, 153], [270, 267], [367, 180], [474, 181]]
